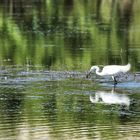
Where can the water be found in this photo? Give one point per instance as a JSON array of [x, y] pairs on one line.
[[56, 105], [46, 49]]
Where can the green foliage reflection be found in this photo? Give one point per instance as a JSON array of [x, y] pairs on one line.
[[74, 34]]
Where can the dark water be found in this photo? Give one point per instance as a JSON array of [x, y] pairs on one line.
[[46, 49]]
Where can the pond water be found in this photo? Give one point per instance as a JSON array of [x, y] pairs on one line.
[[41, 104], [46, 49]]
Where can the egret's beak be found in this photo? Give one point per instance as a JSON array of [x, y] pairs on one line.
[[88, 74]]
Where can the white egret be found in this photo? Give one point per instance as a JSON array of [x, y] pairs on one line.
[[110, 70]]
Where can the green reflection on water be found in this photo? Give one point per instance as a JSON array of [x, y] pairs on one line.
[[73, 34], [59, 109]]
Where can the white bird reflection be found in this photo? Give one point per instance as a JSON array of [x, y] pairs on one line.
[[106, 97]]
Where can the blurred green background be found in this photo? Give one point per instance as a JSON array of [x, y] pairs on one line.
[[72, 34]]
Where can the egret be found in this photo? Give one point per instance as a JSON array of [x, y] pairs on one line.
[[110, 70]]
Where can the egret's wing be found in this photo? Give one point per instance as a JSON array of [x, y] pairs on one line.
[[111, 70]]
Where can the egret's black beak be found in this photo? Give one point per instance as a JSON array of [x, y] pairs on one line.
[[88, 74]]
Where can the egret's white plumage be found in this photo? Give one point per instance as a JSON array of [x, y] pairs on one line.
[[111, 70]]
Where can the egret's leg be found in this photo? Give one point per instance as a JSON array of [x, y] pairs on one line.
[[114, 79]]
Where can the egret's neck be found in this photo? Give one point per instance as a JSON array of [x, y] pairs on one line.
[[97, 70]]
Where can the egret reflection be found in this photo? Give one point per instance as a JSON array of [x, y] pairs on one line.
[[110, 97]]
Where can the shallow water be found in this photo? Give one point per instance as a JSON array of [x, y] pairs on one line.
[[46, 49], [57, 105]]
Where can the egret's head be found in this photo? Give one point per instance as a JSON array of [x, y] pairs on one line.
[[92, 70]]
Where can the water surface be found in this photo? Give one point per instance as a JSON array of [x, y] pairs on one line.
[[57, 105], [46, 49]]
